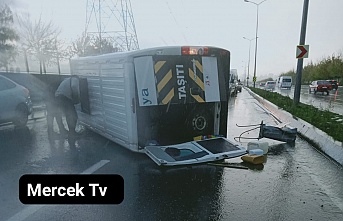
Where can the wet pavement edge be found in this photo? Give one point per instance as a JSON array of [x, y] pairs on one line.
[[321, 140]]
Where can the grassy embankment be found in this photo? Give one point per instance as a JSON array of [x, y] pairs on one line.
[[330, 123]]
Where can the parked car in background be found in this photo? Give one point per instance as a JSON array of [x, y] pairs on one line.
[[270, 85], [320, 86], [285, 82], [15, 102], [262, 84], [334, 84], [233, 82]]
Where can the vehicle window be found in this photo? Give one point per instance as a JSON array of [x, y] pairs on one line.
[[323, 82], [5, 84], [286, 80]]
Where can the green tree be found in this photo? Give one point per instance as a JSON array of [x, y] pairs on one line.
[[104, 46], [8, 37], [335, 67], [307, 73], [327, 68], [80, 47], [86, 46]]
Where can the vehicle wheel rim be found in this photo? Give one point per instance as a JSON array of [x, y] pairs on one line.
[[199, 123]]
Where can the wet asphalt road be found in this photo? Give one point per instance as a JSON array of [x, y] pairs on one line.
[[296, 182], [332, 102]]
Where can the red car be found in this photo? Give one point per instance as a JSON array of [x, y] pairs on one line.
[[320, 86]]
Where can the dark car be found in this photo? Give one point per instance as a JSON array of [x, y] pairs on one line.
[[334, 84], [15, 102], [320, 86], [233, 83]]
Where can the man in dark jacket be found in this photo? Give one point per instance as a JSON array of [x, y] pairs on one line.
[[53, 111], [67, 95]]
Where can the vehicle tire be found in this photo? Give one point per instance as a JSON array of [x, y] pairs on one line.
[[327, 92], [309, 91], [315, 91], [21, 116]]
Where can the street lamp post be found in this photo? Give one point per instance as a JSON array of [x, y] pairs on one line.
[[257, 4], [249, 57]]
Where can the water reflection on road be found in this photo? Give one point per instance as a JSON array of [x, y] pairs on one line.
[[295, 183], [332, 102], [283, 189]]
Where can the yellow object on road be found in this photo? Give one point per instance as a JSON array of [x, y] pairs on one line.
[[254, 159]]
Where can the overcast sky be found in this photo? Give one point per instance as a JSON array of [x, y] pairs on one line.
[[221, 23]]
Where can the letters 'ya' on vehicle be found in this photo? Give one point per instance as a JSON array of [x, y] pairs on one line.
[[158, 100]]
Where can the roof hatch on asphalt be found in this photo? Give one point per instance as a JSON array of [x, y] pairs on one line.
[[194, 152]]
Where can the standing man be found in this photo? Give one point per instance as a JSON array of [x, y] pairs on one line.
[[67, 95]]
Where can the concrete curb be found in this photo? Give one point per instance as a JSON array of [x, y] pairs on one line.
[[324, 142]]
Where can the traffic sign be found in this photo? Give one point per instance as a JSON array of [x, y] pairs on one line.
[[302, 51]]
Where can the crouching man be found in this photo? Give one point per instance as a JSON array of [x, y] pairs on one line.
[[67, 95]]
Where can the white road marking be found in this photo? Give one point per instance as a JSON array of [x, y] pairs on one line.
[[95, 167]]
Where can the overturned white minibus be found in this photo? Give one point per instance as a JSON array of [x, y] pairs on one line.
[[158, 101]]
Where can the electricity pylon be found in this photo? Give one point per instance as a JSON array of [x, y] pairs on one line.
[[112, 20]]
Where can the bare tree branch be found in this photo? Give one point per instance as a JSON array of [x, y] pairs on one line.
[[40, 39]]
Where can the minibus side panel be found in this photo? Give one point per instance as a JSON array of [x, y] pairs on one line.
[[91, 71], [110, 107]]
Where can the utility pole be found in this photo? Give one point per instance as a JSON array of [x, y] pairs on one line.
[[249, 57], [257, 5], [301, 60]]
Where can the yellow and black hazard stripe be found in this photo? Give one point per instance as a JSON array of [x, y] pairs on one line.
[[198, 78], [167, 79], [164, 83]]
